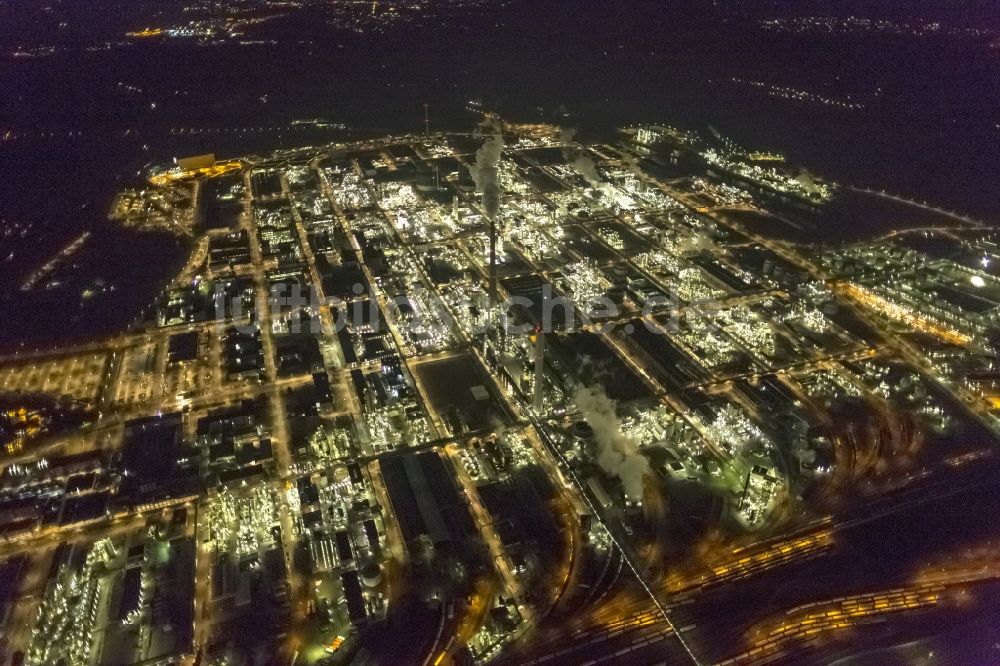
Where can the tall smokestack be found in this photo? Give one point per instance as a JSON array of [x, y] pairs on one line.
[[539, 367], [493, 264], [486, 173]]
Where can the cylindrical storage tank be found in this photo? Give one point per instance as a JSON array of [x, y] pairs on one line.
[[371, 574]]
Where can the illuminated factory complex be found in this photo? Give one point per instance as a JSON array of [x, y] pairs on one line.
[[498, 396]]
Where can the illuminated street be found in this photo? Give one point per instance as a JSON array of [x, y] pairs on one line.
[[503, 396]]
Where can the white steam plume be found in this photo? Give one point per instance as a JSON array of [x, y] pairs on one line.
[[616, 453], [486, 171], [586, 166], [632, 164], [578, 158]]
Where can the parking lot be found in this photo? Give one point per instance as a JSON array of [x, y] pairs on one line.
[[77, 376], [138, 376]]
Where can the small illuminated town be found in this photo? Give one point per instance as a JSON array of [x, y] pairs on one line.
[[500, 396]]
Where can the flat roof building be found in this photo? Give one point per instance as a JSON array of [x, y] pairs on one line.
[[425, 499]]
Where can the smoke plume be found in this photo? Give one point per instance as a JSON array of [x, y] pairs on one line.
[[616, 454], [586, 166], [578, 158], [632, 164], [486, 171]]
